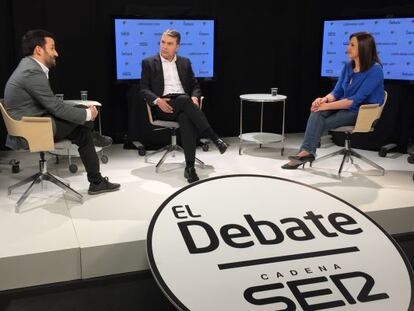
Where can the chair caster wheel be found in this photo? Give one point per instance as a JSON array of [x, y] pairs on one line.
[[205, 147], [104, 159], [382, 153], [141, 151], [15, 167], [73, 168], [384, 149]]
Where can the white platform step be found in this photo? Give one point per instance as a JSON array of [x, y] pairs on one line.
[[56, 239]]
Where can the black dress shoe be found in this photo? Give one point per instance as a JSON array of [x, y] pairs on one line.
[[103, 186], [298, 161], [190, 174], [300, 158], [288, 166], [294, 157], [221, 145], [101, 140]]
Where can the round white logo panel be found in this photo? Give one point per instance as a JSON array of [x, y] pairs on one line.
[[250, 242]]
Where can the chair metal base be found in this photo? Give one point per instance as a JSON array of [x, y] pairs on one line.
[[36, 179], [169, 150], [348, 153]]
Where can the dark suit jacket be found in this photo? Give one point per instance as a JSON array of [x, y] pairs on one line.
[[152, 78]]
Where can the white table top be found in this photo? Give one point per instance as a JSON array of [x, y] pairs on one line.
[[262, 97], [82, 102]]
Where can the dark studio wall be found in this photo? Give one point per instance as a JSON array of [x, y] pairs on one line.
[[257, 47]]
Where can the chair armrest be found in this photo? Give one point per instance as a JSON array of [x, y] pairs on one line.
[[201, 102], [367, 115], [369, 106], [150, 117], [36, 119], [38, 132]]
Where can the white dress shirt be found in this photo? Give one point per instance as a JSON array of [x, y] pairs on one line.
[[172, 83], [44, 68]]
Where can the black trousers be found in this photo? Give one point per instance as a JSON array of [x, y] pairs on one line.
[[192, 122], [80, 135]]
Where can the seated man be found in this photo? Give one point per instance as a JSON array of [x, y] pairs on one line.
[[28, 93], [168, 84]]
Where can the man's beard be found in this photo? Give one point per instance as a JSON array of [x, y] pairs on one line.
[[51, 63]]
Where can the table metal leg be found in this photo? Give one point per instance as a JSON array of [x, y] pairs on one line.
[[261, 118], [283, 129], [100, 129], [241, 127], [99, 121]]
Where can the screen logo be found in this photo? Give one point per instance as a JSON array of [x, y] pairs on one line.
[[250, 242], [141, 38], [392, 37]]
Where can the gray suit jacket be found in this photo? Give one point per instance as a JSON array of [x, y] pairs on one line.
[[28, 93]]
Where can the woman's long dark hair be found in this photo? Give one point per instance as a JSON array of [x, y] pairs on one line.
[[367, 50]]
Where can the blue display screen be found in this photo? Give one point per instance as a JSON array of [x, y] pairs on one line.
[[136, 39], [394, 38]]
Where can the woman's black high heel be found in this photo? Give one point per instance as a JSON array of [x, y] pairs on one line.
[[300, 161]]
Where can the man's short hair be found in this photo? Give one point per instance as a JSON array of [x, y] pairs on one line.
[[173, 33], [33, 38]]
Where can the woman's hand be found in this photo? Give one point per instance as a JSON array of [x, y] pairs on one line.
[[320, 107], [317, 103]]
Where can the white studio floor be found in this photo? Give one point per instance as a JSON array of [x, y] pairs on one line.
[[55, 238]]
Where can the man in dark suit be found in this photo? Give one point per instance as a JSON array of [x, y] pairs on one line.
[[168, 84], [28, 93]]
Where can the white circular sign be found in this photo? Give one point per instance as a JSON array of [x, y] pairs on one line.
[[250, 242]]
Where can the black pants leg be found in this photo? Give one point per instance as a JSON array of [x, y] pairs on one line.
[[184, 104], [192, 122], [188, 137], [81, 135]]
